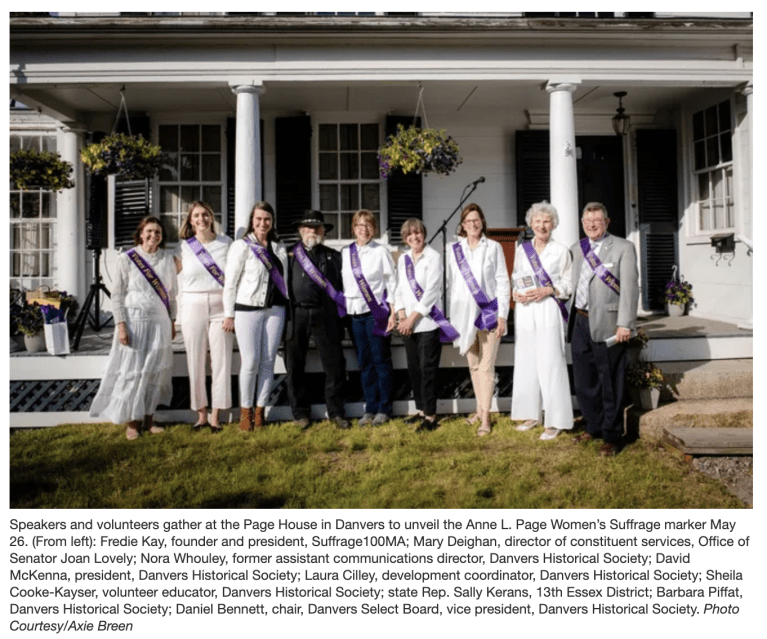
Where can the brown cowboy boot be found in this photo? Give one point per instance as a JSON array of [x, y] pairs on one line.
[[246, 419], [259, 419]]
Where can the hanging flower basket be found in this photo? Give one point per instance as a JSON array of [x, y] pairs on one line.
[[420, 151], [130, 157], [40, 169]]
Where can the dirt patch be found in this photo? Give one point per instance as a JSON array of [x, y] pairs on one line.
[[736, 473]]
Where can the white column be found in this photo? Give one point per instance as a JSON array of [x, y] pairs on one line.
[[70, 218], [748, 91], [563, 172], [247, 178]]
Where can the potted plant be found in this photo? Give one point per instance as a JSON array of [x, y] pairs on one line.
[[29, 321], [677, 296], [419, 150], [40, 169], [130, 157], [648, 380]]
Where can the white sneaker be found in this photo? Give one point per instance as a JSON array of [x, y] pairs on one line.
[[550, 433], [366, 419], [528, 425]]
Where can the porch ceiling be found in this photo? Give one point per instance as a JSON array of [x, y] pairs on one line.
[[83, 103]]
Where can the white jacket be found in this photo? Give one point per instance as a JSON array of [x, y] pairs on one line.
[[488, 265], [246, 278]]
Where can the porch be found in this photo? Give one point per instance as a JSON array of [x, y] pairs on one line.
[[705, 358]]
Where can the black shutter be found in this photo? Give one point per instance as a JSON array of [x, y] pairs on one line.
[[231, 151], [533, 177], [404, 191], [293, 168], [658, 210], [132, 202]]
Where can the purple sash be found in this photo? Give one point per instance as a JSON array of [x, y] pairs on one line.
[[319, 279], [380, 312], [207, 259], [151, 277], [487, 320], [596, 265], [542, 275], [261, 253], [447, 332]]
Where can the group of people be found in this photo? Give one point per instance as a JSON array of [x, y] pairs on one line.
[[262, 292]]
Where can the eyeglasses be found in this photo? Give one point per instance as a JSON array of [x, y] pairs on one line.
[[363, 225], [472, 221]]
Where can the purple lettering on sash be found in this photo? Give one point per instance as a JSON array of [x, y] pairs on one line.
[[487, 320], [207, 259], [543, 277], [319, 279], [599, 269], [447, 332], [261, 253], [148, 272], [379, 311]]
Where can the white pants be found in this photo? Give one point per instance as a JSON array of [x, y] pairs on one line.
[[202, 318], [540, 368], [258, 335]]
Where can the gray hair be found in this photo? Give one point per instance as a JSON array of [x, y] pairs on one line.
[[411, 225], [542, 208], [596, 206]]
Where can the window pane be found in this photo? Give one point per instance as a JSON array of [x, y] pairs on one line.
[[169, 198], [328, 141], [211, 138], [728, 181], [349, 166], [48, 144], [45, 265], [15, 144], [212, 196], [726, 143], [15, 205], [328, 197], [369, 166], [725, 123], [46, 198], [45, 236], [719, 222], [717, 186], [332, 234], [348, 134], [190, 168], [703, 194], [710, 121], [730, 211], [704, 217], [369, 134], [345, 226], [350, 200], [211, 168], [169, 168], [168, 137], [370, 197], [328, 166], [190, 138], [188, 195], [30, 205], [170, 224], [700, 155], [712, 151]]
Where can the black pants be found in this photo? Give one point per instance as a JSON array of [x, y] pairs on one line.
[[313, 322], [423, 353], [600, 382]]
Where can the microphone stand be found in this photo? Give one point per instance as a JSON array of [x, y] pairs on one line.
[[443, 229]]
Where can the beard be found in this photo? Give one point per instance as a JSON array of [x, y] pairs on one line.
[[312, 241]]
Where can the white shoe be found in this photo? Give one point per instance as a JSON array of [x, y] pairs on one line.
[[529, 424], [550, 433]]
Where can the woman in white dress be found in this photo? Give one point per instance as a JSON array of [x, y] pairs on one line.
[[138, 373], [255, 298], [201, 261], [541, 384], [479, 305]]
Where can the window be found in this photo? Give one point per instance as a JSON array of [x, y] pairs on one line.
[[349, 177], [712, 150], [192, 171], [32, 224]]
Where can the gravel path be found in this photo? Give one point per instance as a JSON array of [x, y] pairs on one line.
[[736, 473]]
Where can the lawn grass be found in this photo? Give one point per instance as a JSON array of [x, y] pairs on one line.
[[94, 466]]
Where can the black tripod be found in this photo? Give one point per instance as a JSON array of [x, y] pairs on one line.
[[443, 229], [93, 297]]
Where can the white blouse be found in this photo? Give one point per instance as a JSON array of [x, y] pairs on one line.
[[488, 265], [428, 274], [246, 279], [131, 290], [194, 277], [378, 269], [556, 261]]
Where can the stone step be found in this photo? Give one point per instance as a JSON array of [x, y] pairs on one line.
[[708, 379], [710, 441], [698, 413]]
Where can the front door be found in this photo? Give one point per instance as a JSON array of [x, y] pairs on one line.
[[600, 177]]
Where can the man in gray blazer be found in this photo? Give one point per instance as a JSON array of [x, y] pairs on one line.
[[604, 306]]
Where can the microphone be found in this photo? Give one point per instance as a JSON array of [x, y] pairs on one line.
[[479, 181]]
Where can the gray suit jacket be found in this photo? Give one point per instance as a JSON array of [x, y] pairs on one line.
[[608, 310]]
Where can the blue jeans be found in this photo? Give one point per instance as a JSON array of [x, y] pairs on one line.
[[374, 359]]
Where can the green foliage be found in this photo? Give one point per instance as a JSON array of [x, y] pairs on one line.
[[29, 320], [40, 169], [94, 466], [419, 150], [645, 375], [679, 293], [130, 157]]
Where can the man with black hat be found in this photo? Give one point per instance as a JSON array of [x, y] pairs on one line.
[[314, 283]]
